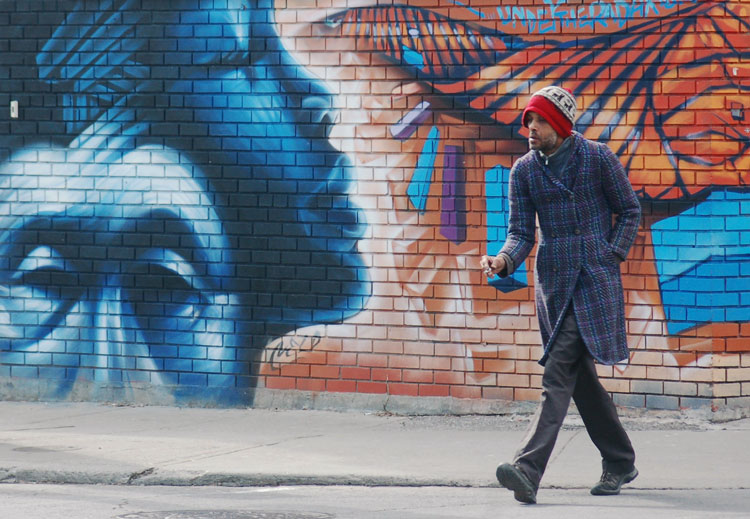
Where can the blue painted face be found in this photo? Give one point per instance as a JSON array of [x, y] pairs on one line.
[[115, 278], [216, 210]]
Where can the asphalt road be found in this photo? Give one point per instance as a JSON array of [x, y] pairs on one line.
[[18, 501]]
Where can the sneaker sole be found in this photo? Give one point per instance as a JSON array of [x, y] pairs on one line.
[[510, 478]]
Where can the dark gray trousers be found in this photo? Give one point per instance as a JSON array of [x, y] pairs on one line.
[[570, 372]]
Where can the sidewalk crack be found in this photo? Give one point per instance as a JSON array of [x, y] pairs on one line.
[[224, 452], [565, 445], [138, 475]]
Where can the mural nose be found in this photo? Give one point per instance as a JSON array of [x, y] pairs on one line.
[[318, 110], [117, 350], [106, 333]]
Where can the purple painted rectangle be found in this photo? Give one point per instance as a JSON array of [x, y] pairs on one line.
[[409, 123], [453, 201]]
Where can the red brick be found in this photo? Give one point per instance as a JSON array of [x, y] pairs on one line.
[[387, 347], [358, 345], [281, 383], [388, 319], [312, 358], [531, 367], [295, 370], [405, 333], [355, 373], [450, 377], [372, 361], [737, 344], [419, 348], [498, 366], [341, 386], [403, 361], [679, 358], [343, 359], [372, 387], [432, 334], [325, 371], [433, 390], [450, 350], [435, 363], [386, 375], [311, 384], [403, 389], [465, 336], [507, 379], [725, 329], [418, 376]]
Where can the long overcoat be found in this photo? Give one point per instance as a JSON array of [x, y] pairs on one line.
[[585, 231]]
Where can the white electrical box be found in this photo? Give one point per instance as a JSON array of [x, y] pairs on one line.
[[14, 109]]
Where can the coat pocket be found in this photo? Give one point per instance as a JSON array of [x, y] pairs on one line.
[[608, 253]]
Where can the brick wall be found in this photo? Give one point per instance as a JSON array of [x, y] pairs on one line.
[[204, 201]]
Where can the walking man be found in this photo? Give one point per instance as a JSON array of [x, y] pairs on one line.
[[588, 219]]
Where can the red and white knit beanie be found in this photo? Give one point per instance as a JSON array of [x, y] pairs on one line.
[[558, 107]]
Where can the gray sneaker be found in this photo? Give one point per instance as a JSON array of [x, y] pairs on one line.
[[611, 482], [513, 478]]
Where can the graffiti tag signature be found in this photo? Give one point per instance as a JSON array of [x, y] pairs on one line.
[[286, 347]]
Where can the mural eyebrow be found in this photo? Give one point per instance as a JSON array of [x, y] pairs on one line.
[[436, 47], [19, 239], [185, 233]]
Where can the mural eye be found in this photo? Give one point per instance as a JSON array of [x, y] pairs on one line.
[[333, 22], [168, 289], [166, 292], [46, 281], [39, 290], [434, 47]]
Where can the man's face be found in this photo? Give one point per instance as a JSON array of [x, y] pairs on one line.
[[542, 136]]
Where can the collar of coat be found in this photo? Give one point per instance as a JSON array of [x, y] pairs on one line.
[[552, 165], [559, 157]]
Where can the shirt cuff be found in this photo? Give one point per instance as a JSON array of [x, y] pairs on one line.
[[510, 266]]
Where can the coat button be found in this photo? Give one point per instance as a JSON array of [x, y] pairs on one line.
[[577, 231]]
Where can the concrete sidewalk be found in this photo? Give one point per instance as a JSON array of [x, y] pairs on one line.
[[103, 444]]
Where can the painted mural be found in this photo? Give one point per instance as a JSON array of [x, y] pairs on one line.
[[202, 198], [155, 193], [435, 117]]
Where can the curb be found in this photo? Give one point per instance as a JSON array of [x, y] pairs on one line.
[[151, 477]]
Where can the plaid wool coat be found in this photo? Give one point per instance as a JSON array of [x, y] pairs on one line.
[[584, 234]]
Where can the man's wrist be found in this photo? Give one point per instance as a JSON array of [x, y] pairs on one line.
[[508, 266]]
